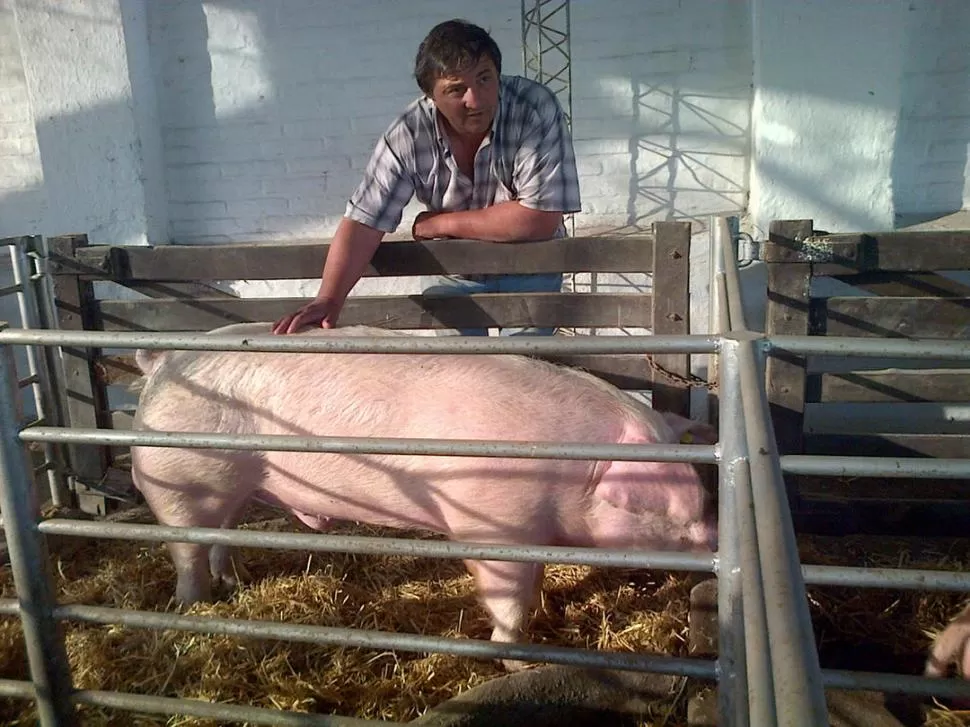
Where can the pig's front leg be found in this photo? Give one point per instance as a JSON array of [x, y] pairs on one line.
[[192, 571], [509, 592], [227, 572]]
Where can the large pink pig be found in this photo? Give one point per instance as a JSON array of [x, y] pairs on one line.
[[643, 505]]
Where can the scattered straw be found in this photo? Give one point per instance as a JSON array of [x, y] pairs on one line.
[[612, 609]]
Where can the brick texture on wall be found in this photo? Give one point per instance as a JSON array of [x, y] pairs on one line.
[[931, 165], [270, 111], [21, 175], [263, 115], [270, 115], [661, 104]]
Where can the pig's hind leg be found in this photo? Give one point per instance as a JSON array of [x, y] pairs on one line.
[[226, 569], [509, 591], [195, 488]]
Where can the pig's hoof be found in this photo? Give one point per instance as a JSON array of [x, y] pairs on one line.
[[229, 580], [225, 586], [512, 666]]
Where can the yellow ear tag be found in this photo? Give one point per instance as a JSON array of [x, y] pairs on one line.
[[687, 438]]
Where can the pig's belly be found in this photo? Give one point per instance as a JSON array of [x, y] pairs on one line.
[[520, 500]]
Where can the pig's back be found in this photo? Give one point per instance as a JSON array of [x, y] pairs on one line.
[[401, 395]]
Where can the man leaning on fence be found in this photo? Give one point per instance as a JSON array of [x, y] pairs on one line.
[[491, 158]]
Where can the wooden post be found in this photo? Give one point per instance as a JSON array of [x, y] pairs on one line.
[[84, 398], [787, 314], [671, 314]]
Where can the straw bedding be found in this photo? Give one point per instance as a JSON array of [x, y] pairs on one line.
[[584, 607]]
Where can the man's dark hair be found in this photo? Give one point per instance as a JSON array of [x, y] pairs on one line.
[[451, 48]]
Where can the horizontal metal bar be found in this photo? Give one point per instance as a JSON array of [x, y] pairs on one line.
[[28, 381], [354, 344], [210, 710], [193, 708], [367, 639], [363, 545], [702, 669], [861, 346], [17, 689], [844, 466], [366, 445], [11, 289], [911, 579], [895, 683], [897, 578], [43, 467], [832, 679]]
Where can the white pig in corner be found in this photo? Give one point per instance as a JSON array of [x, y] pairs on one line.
[[643, 505], [951, 648]]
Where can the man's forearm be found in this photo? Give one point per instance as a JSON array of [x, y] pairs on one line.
[[352, 248], [505, 222]]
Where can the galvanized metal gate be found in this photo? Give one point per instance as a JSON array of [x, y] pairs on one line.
[[767, 669]]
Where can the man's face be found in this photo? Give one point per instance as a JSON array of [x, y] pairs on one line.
[[468, 101]]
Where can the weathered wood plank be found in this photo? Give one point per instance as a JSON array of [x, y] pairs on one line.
[[890, 445], [907, 285], [279, 261], [887, 418], [627, 371], [188, 291], [73, 303], [895, 386], [896, 317], [787, 313], [404, 312], [913, 251], [671, 313]]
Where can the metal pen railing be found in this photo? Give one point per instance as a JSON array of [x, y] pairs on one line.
[[767, 667]]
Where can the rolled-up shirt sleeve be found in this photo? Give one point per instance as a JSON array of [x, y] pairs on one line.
[[545, 166], [387, 186]]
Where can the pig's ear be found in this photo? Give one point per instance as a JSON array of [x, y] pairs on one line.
[[690, 431]]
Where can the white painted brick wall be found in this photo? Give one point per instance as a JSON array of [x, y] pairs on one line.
[[281, 161], [329, 82], [845, 129], [22, 198], [932, 162], [661, 99]]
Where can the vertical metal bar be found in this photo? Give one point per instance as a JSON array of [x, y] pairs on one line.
[[799, 694], [45, 648], [36, 360], [729, 262], [47, 320], [718, 300], [732, 668], [723, 316], [761, 687]]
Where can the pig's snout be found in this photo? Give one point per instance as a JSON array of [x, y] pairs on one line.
[[703, 535]]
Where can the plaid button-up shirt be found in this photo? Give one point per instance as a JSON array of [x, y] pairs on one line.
[[527, 156]]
